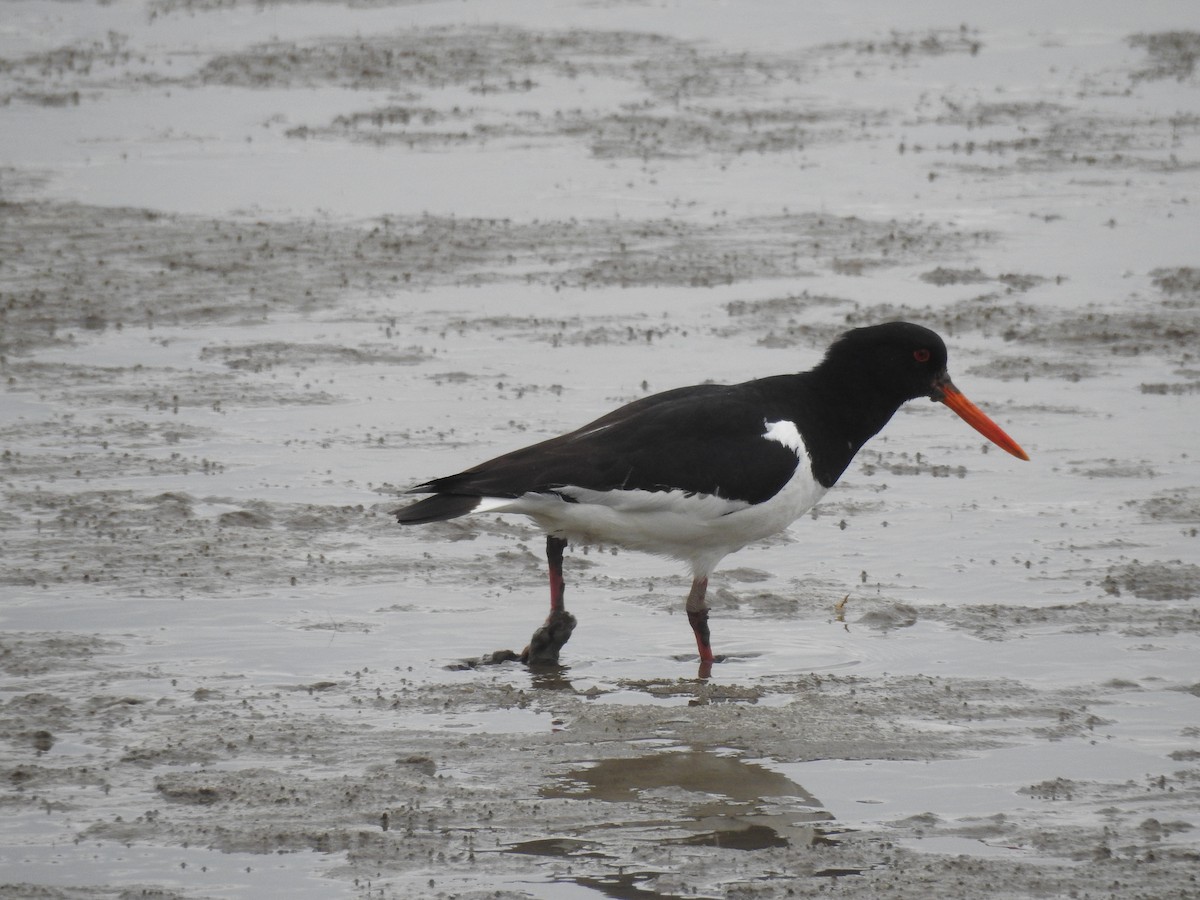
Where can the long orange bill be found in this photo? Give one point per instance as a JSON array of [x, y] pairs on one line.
[[978, 419]]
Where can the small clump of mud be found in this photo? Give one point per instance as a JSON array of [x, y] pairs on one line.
[[1172, 54], [1161, 580]]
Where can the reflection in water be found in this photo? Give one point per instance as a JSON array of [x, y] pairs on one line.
[[691, 797], [560, 847], [696, 770], [629, 886]]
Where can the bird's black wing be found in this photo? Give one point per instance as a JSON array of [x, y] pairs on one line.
[[705, 439]]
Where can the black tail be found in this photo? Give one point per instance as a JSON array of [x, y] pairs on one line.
[[437, 508]]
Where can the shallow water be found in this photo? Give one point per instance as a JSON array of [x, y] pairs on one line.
[[258, 275]]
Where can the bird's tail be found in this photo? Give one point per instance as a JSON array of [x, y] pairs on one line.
[[437, 508]]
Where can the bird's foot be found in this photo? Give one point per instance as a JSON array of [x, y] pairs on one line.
[[488, 659], [705, 671], [548, 640]]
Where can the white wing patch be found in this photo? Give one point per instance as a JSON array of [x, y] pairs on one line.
[[688, 503], [786, 433]]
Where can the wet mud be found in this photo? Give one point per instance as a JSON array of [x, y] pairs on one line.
[[225, 672]]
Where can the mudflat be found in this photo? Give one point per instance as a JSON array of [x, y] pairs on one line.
[[265, 265]]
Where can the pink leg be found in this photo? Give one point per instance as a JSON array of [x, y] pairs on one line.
[[697, 610], [548, 640], [558, 585]]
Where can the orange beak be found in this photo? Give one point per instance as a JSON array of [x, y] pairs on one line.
[[976, 417]]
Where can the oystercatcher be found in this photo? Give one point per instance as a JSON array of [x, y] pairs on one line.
[[698, 472]]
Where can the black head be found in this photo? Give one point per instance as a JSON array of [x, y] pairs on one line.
[[898, 361], [879, 367]]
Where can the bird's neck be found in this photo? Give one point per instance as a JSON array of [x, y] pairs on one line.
[[835, 413]]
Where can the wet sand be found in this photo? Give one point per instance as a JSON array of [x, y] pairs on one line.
[[262, 266]]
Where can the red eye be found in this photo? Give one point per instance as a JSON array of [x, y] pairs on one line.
[[921, 356]]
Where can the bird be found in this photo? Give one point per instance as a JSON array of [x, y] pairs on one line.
[[699, 472]]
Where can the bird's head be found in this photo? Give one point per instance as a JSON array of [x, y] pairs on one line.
[[901, 361]]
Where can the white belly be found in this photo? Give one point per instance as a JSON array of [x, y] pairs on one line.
[[699, 529]]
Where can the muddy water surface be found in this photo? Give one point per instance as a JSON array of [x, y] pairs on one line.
[[264, 265]]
